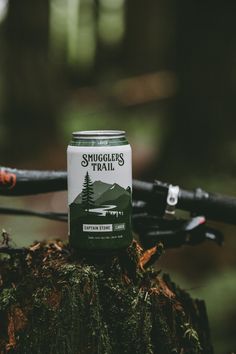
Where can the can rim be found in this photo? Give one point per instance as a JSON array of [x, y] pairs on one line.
[[90, 134]]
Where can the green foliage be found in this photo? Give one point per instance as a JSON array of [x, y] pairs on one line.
[[7, 298]]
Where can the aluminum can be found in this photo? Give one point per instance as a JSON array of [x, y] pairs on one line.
[[99, 164]]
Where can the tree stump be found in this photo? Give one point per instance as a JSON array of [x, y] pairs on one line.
[[53, 301]]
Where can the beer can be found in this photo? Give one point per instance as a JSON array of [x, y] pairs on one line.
[[99, 164]]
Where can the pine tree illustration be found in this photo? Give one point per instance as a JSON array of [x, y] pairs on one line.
[[87, 193]]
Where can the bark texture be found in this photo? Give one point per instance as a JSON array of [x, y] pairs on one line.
[[53, 301]]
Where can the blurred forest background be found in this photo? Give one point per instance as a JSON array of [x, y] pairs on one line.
[[164, 71]]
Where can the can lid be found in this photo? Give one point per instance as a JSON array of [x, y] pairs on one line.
[[92, 134]]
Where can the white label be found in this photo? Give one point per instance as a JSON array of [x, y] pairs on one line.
[[107, 166], [97, 227], [99, 195]]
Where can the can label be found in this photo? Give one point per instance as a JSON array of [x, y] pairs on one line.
[[99, 196]]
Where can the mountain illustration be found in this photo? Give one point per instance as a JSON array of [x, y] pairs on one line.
[[105, 193], [112, 193]]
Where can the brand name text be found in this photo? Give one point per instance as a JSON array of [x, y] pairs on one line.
[[102, 162]]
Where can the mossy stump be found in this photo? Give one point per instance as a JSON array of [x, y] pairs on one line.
[[52, 301]]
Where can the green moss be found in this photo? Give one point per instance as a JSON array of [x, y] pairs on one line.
[[7, 298], [74, 306]]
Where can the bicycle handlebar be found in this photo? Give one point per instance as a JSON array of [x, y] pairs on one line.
[[14, 182], [213, 206]]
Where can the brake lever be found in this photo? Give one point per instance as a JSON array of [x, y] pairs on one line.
[[191, 232]]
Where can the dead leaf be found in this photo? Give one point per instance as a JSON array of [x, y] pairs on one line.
[[147, 256], [35, 247], [54, 299], [11, 333], [57, 247], [16, 322], [164, 289], [20, 319]]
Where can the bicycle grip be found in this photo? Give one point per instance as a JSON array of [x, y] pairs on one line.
[[14, 182], [212, 205]]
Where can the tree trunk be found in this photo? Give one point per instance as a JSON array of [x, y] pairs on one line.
[[53, 301], [203, 122], [30, 103]]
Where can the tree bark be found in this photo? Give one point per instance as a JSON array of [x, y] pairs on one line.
[[54, 301], [30, 103]]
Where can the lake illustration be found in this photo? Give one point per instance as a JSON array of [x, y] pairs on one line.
[[100, 204]]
